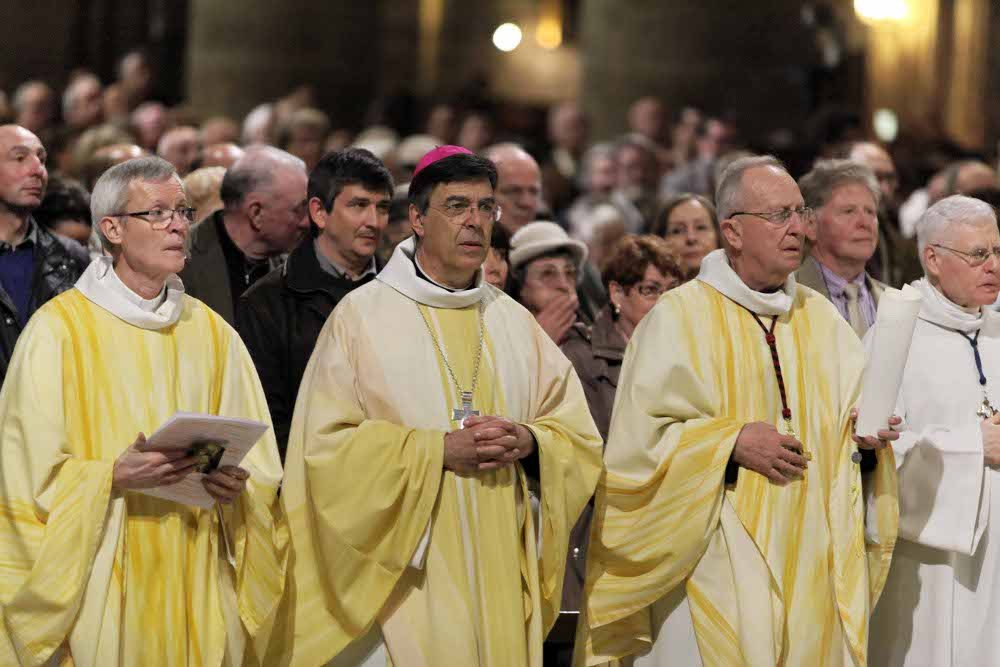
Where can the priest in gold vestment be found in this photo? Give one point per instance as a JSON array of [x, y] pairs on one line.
[[730, 528], [440, 452], [93, 573]]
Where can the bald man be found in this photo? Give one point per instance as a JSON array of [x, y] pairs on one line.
[[181, 147], [35, 265], [221, 155], [519, 185], [264, 216]]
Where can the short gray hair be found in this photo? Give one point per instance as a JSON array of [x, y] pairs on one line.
[[111, 192], [728, 191], [72, 92], [828, 175], [953, 210], [254, 171]]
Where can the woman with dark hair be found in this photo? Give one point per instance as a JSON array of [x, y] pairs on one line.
[[690, 225], [637, 271], [496, 268]]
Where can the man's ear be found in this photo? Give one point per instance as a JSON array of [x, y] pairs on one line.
[[317, 213], [932, 263], [253, 209], [113, 229], [732, 233], [416, 221]]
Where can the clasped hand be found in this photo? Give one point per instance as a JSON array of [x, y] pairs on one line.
[[486, 443], [137, 468]]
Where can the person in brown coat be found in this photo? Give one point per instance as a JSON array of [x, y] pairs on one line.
[[636, 273]]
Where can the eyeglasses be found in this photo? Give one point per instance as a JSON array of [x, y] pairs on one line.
[[160, 218], [457, 210], [977, 257], [650, 290], [782, 217], [550, 276]]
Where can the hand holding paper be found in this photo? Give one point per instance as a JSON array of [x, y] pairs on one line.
[[891, 337]]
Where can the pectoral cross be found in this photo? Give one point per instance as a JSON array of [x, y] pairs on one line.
[[986, 411], [461, 414]]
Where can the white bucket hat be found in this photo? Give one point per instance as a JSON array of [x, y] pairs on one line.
[[540, 238]]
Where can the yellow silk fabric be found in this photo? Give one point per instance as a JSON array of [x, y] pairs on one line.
[[364, 481], [773, 574], [93, 577]]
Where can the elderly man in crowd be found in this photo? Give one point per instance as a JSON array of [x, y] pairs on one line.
[[281, 316], [34, 106], [35, 264], [636, 188], [181, 147], [81, 102], [942, 589], [895, 261], [598, 177], [730, 525], [519, 185], [87, 558], [567, 132], [264, 215], [430, 402], [844, 196]]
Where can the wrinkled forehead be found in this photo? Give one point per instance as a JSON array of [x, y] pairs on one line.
[[768, 188], [13, 136], [471, 190], [979, 232], [168, 193]]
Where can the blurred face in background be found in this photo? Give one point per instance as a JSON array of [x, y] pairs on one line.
[[691, 234]]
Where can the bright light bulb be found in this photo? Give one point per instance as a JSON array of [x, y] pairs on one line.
[[886, 125], [507, 36], [548, 34], [881, 10]]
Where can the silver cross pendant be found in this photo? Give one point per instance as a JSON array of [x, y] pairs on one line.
[[461, 414], [986, 411]]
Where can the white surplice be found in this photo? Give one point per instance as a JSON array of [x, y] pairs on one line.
[[940, 602]]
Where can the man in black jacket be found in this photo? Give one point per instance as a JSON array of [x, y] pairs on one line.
[[281, 315], [35, 265]]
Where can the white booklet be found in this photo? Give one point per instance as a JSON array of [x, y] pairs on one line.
[[217, 441]]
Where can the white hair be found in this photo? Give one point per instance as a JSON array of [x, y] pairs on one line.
[[727, 194], [74, 89], [933, 225], [111, 192]]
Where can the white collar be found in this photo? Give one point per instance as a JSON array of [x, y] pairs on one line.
[[401, 274], [939, 309], [718, 272], [102, 286]]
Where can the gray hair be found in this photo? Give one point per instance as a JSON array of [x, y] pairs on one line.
[[727, 193], [72, 91], [596, 152], [828, 175], [954, 210], [111, 192], [252, 172]]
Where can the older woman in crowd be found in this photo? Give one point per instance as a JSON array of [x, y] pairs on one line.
[[690, 225], [86, 554], [637, 271], [546, 265]]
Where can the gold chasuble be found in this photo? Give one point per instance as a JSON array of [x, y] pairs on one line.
[[98, 578], [685, 569], [397, 561]]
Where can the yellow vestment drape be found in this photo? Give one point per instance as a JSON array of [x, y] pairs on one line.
[[453, 569], [772, 574], [89, 576]]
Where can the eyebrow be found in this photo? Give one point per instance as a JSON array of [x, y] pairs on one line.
[[457, 199], [27, 149]]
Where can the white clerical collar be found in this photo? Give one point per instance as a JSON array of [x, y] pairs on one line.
[[102, 286], [939, 309], [401, 274], [718, 272]]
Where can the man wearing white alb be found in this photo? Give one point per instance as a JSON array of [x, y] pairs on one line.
[[940, 602]]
